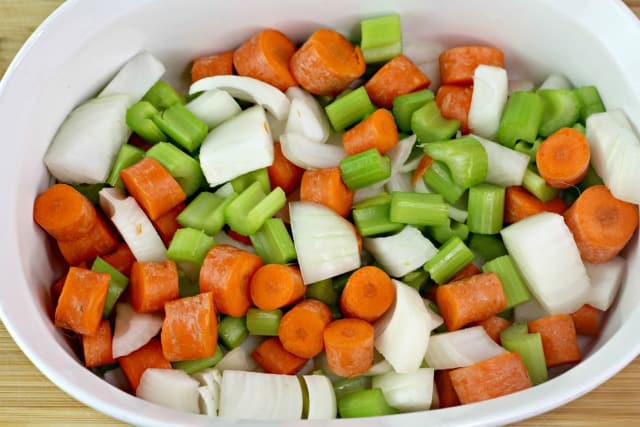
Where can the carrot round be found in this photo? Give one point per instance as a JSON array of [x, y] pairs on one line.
[[283, 173], [167, 224], [148, 356], [273, 358], [458, 64], [301, 328], [274, 286], [64, 212], [520, 204], [378, 131], [563, 158], [349, 347], [368, 294], [121, 259], [397, 77], [466, 271], [226, 271], [493, 326], [559, 339], [454, 102], [153, 187], [97, 348], [601, 224], [327, 63], [425, 163], [447, 396], [212, 65], [152, 285], [587, 320], [100, 240], [266, 57], [325, 186], [473, 299]]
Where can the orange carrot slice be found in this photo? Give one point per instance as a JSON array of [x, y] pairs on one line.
[[121, 259], [447, 396], [325, 186], [466, 271], [167, 224], [274, 359], [587, 320], [148, 356], [301, 328], [559, 340], [425, 163], [100, 240], [63, 212], [368, 294], [348, 344], [520, 204], [454, 103], [397, 77], [274, 286], [563, 158], [152, 285], [97, 348], [493, 326], [212, 65], [283, 173], [458, 64], [378, 131]]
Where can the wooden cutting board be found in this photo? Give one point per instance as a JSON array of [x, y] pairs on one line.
[[28, 398]]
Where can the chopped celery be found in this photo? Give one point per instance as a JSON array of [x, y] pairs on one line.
[[364, 169], [513, 285], [487, 247], [322, 291], [561, 109], [380, 199], [381, 38], [339, 282], [162, 95], [538, 186], [418, 208], [580, 128], [197, 365], [442, 233], [514, 330], [529, 347], [521, 118], [139, 118], [128, 155], [405, 105], [233, 331], [184, 168], [438, 178], [375, 219], [429, 125], [186, 286], [590, 179], [241, 183], [486, 209], [417, 279], [465, 157], [451, 257], [273, 243], [364, 403], [90, 191], [529, 149], [349, 109], [263, 322], [205, 212], [182, 126], [349, 385], [246, 213], [508, 314], [590, 101], [117, 284], [189, 245]]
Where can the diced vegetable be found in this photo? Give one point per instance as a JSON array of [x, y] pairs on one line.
[[172, 388], [489, 98], [133, 330]]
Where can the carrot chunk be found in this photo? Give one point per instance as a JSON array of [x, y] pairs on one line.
[[458, 64], [520, 204], [466, 271], [148, 356], [447, 396], [167, 224], [100, 240], [349, 347], [563, 158], [63, 212], [397, 77], [454, 103], [378, 131], [152, 285], [121, 259], [301, 328], [493, 326], [283, 173], [97, 348], [368, 294], [587, 320], [325, 186], [274, 359], [559, 340], [212, 65], [274, 286]]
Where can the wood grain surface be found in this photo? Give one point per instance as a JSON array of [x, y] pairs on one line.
[[28, 398]]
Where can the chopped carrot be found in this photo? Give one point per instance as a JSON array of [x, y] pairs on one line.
[[563, 158], [82, 300], [397, 77], [378, 130], [325, 186], [153, 284], [520, 204], [454, 103], [121, 259], [227, 271], [447, 396], [493, 326], [283, 173], [153, 187], [559, 340], [458, 64], [245, 240], [266, 57], [64, 212], [167, 224], [327, 63], [348, 344], [274, 359], [473, 299], [601, 224], [148, 356], [97, 348], [274, 286], [368, 294], [587, 320], [100, 240], [301, 328], [494, 377], [212, 65], [425, 163], [466, 271], [190, 328]]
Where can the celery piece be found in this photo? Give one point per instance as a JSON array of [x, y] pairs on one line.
[[380, 199], [349, 109], [128, 155], [273, 243], [339, 282], [429, 125], [139, 118], [263, 322], [189, 245], [418, 208], [508, 314], [182, 126], [381, 38], [465, 157], [417, 279], [529, 347], [241, 183], [438, 178], [514, 330], [486, 209], [538, 186], [521, 118], [184, 168], [345, 386], [364, 169], [162, 95], [405, 105], [513, 285], [364, 403], [590, 179], [205, 212], [246, 213], [186, 286], [117, 284], [374, 219], [590, 101], [322, 291], [197, 365], [530, 149], [233, 331], [450, 259], [487, 247], [580, 128], [442, 233], [561, 109], [90, 191]]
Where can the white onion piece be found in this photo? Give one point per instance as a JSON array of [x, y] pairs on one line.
[[421, 187], [520, 86], [322, 398], [239, 359], [490, 90], [86, 144], [460, 348], [133, 224], [171, 388], [435, 319], [505, 167], [306, 116], [210, 377], [378, 368], [222, 238], [402, 333], [530, 310], [325, 242], [116, 378], [605, 282], [407, 392], [133, 329], [307, 154], [247, 89], [411, 166], [208, 402], [556, 81], [214, 107], [400, 181], [241, 144], [399, 154], [368, 192], [402, 252], [276, 126], [136, 77], [544, 251], [457, 214], [259, 396]]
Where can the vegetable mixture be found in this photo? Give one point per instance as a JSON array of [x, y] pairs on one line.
[[337, 229]]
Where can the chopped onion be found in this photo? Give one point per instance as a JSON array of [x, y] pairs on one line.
[[322, 398], [436, 319], [116, 378], [133, 224], [407, 392], [133, 329], [544, 251], [136, 77], [209, 390], [402, 252], [399, 154], [605, 282], [520, 86], [325, 242], [399, 181], [210, 377], [368, 192], [530, 310], [411, 165], [490, 89], [172, 388], [506, 167], [247, 89], [239, 359], [275, 126], [259, 396], [223, 238], [460, 348], [88, 141], [306, 116], [307, 154], [421, 187], [556, 81], [379, 367], [457, 214], [214, 107]]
